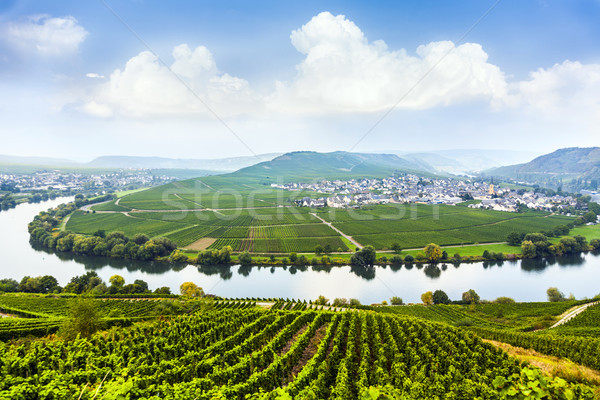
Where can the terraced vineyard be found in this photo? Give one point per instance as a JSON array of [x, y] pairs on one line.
[[234, 353]]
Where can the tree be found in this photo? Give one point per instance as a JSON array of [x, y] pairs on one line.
[[590, 216], [83, 319], [245, 258], [528, 249], [409, 259], [9, 285], [427, 298], [440, 297], [190, 289], [433, 252], [504, 300], [140, 239], [318, 249], [116, 283], [396, 301], [339, 302], [321, 300], [162, 290], [515, 238], [354, 302], [555, 295], [396, 247], [293, 257], [470, 296], [364, 257]]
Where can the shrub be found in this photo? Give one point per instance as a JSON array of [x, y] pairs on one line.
[[396, 301], [504, 300]]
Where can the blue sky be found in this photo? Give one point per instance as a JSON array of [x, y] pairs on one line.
[[75, 82]]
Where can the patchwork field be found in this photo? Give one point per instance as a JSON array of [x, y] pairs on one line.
[[250, 216]]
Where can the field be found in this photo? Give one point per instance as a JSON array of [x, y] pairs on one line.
[[237, 353], [233, 349], [248, 215]]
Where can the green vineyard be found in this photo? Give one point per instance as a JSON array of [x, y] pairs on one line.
[[233, 353]]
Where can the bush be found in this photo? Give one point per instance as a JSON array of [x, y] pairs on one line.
[[321, 301], [396, 260], [504, 300], [470, 296], [83, 319], [396, 301], [555, 295], [409, 259], [339, 302]]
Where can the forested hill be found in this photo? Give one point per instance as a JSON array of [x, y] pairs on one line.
[[573, 164], [303, 165]]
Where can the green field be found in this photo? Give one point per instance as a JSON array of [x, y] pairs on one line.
[[249, 215]]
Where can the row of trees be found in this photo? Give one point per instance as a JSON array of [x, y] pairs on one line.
[[88, 283], [440, 297]]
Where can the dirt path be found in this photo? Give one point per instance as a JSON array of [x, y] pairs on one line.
[[2, 315], [550, 365], [572, 313], [354, 242]]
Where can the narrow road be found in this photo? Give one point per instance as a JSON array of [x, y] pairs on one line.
[[354, 242], [572, 313]]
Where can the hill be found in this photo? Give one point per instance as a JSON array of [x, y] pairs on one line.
[[221, 164], [305, 165], [574, 167]]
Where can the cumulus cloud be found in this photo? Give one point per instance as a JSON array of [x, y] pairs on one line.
[[342, 71], [145, 87], [566, 89], [45, 35]]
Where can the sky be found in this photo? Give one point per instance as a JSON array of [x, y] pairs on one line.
[[199, 79]]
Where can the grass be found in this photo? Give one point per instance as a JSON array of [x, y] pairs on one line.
[[128, 192], [473, 250], [553, 366]]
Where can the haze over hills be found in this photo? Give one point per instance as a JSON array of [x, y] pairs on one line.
[[219, 165], [468, 161], [302, 165], [574, 166]]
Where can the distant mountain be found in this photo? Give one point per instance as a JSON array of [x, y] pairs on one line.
[[4, 159], [564, 166], [221, 164], [305, 165], [468, 161]]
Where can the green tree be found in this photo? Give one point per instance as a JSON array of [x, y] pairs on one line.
[[427, 298], [440, 297], [515, 238], [339, 302], [321, 301], [555, 295], [293, 257], [116, 282], [364, 257], [528, 249], [318, 249], [433, 252], [470, 296], [396, 301], [245, 258], [83, 319], [396, 247], [190, 289]]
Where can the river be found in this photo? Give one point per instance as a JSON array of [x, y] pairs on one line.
[[522, 280]]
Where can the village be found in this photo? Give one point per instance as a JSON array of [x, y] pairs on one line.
[[75, 182], [414, 189]]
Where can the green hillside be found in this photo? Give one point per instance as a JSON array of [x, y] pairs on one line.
[[567, 166]]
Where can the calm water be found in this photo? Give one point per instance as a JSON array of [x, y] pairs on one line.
[[524, 281]]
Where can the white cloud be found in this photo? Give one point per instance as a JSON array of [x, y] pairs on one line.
[[145, 87], [94, 75], [342, 71], [45, 35], [569, 89]]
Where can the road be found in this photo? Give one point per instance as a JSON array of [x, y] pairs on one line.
[[354, 242], [572, 313]]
